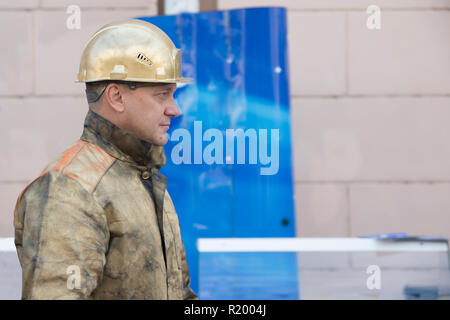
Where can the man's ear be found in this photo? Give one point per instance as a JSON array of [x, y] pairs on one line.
[[114, 96]]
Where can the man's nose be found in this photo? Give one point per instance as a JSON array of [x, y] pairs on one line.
[[172, 109]]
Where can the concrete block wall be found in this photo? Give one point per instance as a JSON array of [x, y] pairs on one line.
[[369, 111], [41, 107], [369, 114]]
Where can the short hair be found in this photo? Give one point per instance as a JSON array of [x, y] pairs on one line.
[[94, 90]]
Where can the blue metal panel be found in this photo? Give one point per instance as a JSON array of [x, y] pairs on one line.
[[248, 275], [238, 60]]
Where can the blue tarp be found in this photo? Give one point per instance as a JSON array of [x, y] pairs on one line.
[[238, 60]]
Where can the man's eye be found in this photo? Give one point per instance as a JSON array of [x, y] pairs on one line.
[[163, 94]]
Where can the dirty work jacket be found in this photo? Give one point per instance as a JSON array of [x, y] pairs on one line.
[[98, 223]]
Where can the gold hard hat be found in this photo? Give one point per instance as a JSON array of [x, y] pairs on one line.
[[131, 50]]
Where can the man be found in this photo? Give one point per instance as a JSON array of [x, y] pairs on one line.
[[98, 223]]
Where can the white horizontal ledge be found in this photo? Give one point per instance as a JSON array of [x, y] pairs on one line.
[[7, 245], [316, 245], [298, 245]]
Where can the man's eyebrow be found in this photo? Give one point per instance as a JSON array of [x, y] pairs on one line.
[[165, 88]]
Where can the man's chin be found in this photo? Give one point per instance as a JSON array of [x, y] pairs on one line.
[[161, 141]]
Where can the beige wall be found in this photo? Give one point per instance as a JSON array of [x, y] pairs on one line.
[[370, 108], [39, 60], [370, 114]]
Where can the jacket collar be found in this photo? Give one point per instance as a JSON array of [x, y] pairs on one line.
[[121, 144]]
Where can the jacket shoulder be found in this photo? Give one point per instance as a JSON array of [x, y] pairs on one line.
[[84, 162]]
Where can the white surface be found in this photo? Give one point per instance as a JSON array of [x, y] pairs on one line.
[[315, 245], [10, 276], [177, 6], [7, 245]]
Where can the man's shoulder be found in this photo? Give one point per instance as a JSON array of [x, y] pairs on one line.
[[84, 162], [71, 178]]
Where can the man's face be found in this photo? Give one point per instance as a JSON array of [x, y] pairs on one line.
[[148, 112]]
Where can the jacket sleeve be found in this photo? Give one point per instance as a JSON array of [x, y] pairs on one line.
[[188, 293], [61, 238]]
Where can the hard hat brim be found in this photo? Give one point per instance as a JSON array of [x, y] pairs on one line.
[[179, 80]]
